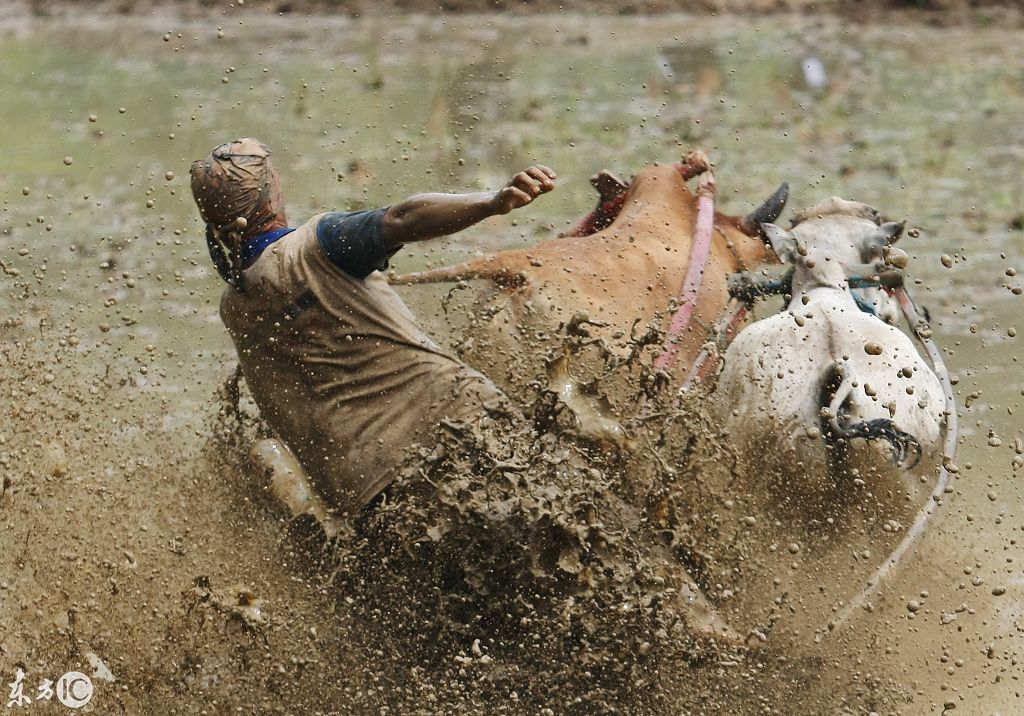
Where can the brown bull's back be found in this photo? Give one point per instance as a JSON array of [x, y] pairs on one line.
[[630, 272]]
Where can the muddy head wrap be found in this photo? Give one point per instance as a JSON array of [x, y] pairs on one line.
[[238, 194]]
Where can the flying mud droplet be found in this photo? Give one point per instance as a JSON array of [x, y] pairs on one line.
[[241, 222], [26, 191], [99, 669], [998, 591], [895, 257], [169, 176], [913, 606], [872, 348], [55, 459], [946, 260], [68, 161], [93, 118]]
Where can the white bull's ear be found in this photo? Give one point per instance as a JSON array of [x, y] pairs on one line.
[[886, 234], [782, 242]]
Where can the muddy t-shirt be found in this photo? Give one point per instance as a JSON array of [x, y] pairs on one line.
[[335, 361]]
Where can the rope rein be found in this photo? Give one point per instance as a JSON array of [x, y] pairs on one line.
[[700, 251]]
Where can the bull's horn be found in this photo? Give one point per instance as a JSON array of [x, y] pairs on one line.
[[766, 213]]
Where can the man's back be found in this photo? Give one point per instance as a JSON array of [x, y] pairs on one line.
[[339, 368]]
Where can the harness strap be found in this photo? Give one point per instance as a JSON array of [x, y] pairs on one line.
[[725, 329], [865, 305]]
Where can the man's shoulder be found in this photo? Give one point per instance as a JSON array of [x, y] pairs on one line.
[[335, 224], [354, 240], [310, 224]]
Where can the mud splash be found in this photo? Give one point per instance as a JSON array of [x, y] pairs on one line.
[[523, 564]]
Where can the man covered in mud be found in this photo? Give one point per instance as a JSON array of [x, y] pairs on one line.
[[333, 357]]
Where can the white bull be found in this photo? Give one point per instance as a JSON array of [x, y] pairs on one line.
[[824, 393]]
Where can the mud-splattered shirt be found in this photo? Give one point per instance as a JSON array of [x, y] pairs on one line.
[[338, 366]]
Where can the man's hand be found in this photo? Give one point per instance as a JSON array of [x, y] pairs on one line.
[[525, 186], [427, 216]]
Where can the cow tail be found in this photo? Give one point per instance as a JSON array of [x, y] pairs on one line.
[[836, 388]]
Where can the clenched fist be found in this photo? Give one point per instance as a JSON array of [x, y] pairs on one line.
[[524, 187]]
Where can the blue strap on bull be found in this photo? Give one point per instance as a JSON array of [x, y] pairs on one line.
[[782, 285], [864, 304]]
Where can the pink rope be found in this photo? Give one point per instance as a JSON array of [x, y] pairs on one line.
[[700, 250]]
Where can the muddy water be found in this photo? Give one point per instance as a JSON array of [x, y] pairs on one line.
[[112, 348]]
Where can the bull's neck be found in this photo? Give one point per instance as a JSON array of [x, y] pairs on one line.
[[817, 292], [658, 211], [750, 251]]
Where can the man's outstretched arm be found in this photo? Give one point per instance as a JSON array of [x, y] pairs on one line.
[[428, 216]]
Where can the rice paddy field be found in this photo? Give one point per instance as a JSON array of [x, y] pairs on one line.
[[115, 521]]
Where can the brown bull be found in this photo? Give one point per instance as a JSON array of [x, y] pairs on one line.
[[622, 265]]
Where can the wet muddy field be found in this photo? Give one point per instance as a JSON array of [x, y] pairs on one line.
[[138, 548]]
